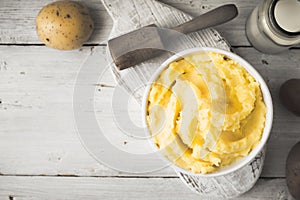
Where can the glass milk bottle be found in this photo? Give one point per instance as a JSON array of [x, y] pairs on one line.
[[274, 25]]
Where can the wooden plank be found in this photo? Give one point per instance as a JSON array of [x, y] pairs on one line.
[[17, 19], [23, 188], [37, 125], [37, 122], [233, 31]]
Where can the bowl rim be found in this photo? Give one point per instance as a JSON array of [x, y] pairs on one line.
[[266, 98]]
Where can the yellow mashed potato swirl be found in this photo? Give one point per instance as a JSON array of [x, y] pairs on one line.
[[205, 112]]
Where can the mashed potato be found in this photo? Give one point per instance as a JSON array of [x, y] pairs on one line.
[[205, 111]]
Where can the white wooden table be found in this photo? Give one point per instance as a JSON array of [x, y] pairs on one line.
[[41, 156]]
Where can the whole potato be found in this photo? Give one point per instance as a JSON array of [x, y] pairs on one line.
[[293, 171], [64, 25], [289, 95]]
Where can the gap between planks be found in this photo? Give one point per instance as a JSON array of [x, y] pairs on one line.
[[104, 45], [117, 177], [95, 176], [40, 44]]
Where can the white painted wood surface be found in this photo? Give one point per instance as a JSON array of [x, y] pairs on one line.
[[21, 188], [37, 126], [37, 130], [17, 19]]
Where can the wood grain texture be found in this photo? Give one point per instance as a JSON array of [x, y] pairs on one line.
[[37, 129], [110, 188], [233, 31], [37, 126], [38, 132], [17, 19]]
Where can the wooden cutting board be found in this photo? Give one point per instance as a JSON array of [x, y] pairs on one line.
[[129, 15]]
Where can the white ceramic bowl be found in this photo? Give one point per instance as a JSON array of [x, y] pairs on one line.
[[266, 97]]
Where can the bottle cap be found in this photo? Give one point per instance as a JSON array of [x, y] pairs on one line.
[[287, 15]]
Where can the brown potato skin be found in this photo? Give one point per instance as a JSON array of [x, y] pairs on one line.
[[293, 171], [64, 25], [289, 95]]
